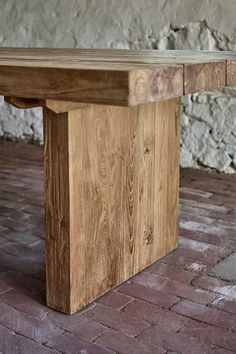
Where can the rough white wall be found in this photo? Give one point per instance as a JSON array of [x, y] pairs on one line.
[[209, 119]]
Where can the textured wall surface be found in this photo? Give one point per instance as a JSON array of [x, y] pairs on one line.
[[209, 120]]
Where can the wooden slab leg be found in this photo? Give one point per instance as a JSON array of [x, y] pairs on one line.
[[112, 186]]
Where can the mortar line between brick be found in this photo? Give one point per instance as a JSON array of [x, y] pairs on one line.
[[30, 339]]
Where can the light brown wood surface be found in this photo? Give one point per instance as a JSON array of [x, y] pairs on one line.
[[111, 176], [231, 77], [53, 105], [114, 77], [205, 76], [111, 143]]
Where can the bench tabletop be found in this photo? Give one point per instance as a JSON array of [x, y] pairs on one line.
[[112, 76]]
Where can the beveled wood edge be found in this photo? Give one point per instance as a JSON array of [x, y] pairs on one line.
[[150, 85], [147, 85], [231, 72], [54, 105], [204, 76]]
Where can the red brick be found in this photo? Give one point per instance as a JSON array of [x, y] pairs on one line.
[[220, 351], [175, 341], [174, 287], [171, 272], [23, 251], [204, 247], [114, 299], [205, 224], [195, 192], [217, 285], [197, 198], [207, 257], [77, 324], [150, 295], [209, 238], [225, 304], [26, 303], [205, 207], [22, 282], [155, 315], [205, 314], [19, 264], [12, 343], [13, 224], [126, 345], [126, 323], [4, 286], [20, 237], [176, 259], [69, 344], [214, 335], [26, 325], [203, 227]]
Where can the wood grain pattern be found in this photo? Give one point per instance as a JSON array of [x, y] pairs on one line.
[[112, 177], [204, 77], [62, 57], [23, 103], [53, 105], [114, 77], [231, 72], [155, 85], [65, 84], [120, 88], [57, 210]]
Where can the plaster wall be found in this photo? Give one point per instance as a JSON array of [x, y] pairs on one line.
[[208, 128]]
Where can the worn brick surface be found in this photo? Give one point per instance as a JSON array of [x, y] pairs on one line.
[[156, 315], [126, 345], [225, 304], [174, 287], [205, 314], [114, 299], [29, 326], [171, 272], [220, 351], [78, 325], [70, 344], [212, 334], [173, 307], [29, 304], [125, 322], [12, 343], [176, 341], [153, 296]]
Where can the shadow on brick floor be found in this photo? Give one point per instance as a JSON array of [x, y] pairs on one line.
[[174, 306]]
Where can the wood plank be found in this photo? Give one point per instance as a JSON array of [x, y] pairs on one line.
[[207, 76], [155, 85], [63, 106], [53, 105], [120, 88], [52, 55], [107, 76], [23, 103], [112, 209], [231, 72], [167, 158], [57, 210], [67, 85]]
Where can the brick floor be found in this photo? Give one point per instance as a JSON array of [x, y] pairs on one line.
[[173, 307]]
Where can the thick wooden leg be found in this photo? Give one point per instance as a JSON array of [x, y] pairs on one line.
[[112, 185]]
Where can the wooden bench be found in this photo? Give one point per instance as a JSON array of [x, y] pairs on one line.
[[111, 155]]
